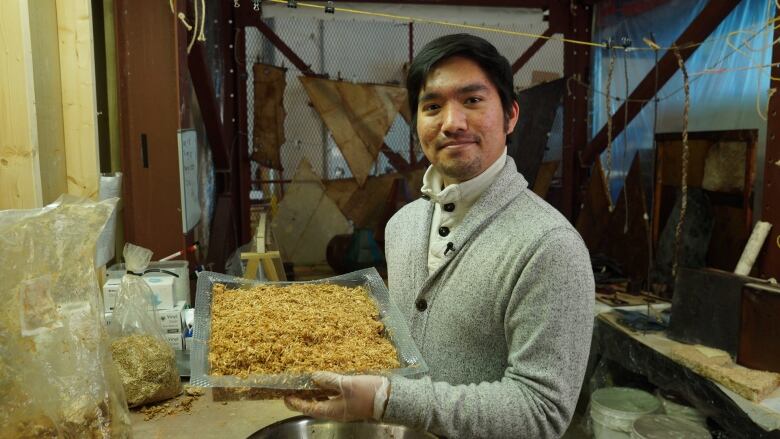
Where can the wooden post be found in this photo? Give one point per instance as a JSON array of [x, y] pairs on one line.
[[20, 177], [79, 108]]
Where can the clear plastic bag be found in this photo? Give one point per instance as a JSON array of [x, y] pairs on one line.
[[409, 357], [145, 360], [56, 374]]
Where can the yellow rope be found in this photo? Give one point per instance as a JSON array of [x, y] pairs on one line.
[[195, 31], [685, 154], [608, 102], [406, 18], [653, 46]]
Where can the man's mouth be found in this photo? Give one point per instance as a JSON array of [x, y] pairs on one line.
[[454, 144]]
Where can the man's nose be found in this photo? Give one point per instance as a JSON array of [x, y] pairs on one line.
[[454, 119]]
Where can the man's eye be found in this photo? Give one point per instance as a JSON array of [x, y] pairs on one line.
[[430, 107], [473, 100]]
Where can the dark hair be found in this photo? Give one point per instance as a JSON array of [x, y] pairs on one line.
[[477, 49]]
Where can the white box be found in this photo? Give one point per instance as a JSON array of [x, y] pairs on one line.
[[181, 284], [162, 289], [110, 290], [170, 319], [174, 340]]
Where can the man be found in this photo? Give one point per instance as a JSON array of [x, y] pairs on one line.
[[495, 284]]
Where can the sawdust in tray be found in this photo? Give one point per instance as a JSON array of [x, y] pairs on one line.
[[298, 328], [180, 404]]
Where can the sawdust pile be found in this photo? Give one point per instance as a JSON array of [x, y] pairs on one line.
[[181, 404], [297, 328], [147, 366]]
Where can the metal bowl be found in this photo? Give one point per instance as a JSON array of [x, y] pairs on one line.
[[303, 427]]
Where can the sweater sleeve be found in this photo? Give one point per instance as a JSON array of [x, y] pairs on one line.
[[548, 326]]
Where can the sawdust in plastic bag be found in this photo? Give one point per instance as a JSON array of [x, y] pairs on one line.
[[56, 374], [145, 366], [146, 362]]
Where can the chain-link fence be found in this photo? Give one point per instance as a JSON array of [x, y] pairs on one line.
[[365, 52]]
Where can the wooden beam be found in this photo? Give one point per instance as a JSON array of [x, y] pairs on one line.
[[79, 108], [20, 177], [769, 264], [531, 51], [699, 29]]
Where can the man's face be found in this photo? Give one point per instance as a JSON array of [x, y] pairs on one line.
[[460, 122]]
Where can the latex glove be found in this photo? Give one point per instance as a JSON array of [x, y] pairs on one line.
[[359, 397]]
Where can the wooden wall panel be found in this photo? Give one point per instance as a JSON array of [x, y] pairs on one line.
[[149, 115]]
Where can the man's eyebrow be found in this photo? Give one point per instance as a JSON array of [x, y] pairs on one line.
[[429, 96], [471, 88], [466, 89]]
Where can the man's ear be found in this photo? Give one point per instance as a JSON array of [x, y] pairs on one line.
[[513, 116]]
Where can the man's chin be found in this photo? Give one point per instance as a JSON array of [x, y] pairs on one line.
[[458, 171]]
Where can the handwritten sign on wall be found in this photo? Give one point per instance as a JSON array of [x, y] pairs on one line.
[[188, 179]]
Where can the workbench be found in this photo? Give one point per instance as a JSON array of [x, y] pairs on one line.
[[647, 354], [212, 419]]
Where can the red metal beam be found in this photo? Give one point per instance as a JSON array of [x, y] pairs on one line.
[[209, 107], [244, 162], [284, 48], [576, 64], [395, 159], [531, 51], [769, 265], [699, 29]]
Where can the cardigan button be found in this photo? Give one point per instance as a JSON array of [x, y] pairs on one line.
[[449, 207], [421, 305], [443, 231]]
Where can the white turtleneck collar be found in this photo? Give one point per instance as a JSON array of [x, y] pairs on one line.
[[451, 204]]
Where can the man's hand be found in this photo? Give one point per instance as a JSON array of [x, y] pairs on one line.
[[359, 397]]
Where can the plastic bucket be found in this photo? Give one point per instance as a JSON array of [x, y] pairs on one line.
[[613, 410], [680, 411], [665, 427]]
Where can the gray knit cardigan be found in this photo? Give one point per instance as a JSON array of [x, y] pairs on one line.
[[504, 324]]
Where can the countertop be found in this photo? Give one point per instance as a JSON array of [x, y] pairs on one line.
[[212, 419]]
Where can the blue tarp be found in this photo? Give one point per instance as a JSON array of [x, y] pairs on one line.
[[728, 88]]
